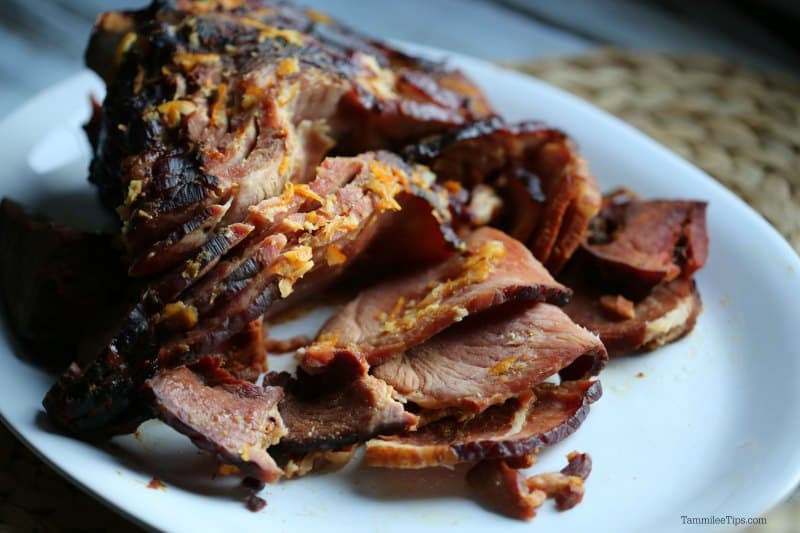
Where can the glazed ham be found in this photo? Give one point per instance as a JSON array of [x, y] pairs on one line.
[[485, 360], [212, 108], [289, 246], [633, 282], [257, 154], [402, 313], [319, 244], [635, 244], [549, 193], [215, 118]]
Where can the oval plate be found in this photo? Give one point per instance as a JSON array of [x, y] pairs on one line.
[[710, 429]]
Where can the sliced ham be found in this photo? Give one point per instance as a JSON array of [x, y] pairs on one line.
[[404, 312], [632, 283], [210, 112], [420, 234], [228, 102], [321, 243], [491, 357], [517, 428], [235, 420], [292, 245], [634, 245], [666, 314], [179, 245], [549, 192], [506, 489], [327, 412], [211, 147]]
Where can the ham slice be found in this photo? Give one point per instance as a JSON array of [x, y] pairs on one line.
[[292, 245], [505, 489], [329, 412], [399, 314], [634, 245], [517, 428], [633, 282], [319, 245], [236, 420], [491, 357], [666, 314], [549, 192]]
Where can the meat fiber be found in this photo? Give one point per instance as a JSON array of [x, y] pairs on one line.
[[404, 312], [549, 193], [491, 357], [517, 428]]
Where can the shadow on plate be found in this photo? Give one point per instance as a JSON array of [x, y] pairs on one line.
[[170, 458], [156, 451], [77, 208], [399, 485]]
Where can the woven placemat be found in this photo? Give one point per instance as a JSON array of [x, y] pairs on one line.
[[741, 126]]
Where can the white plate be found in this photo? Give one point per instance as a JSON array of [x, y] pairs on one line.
[[711, 428]]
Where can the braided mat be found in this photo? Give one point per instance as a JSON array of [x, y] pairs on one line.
[[740, 126]]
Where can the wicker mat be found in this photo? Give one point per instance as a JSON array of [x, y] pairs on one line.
[[741, 126]]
